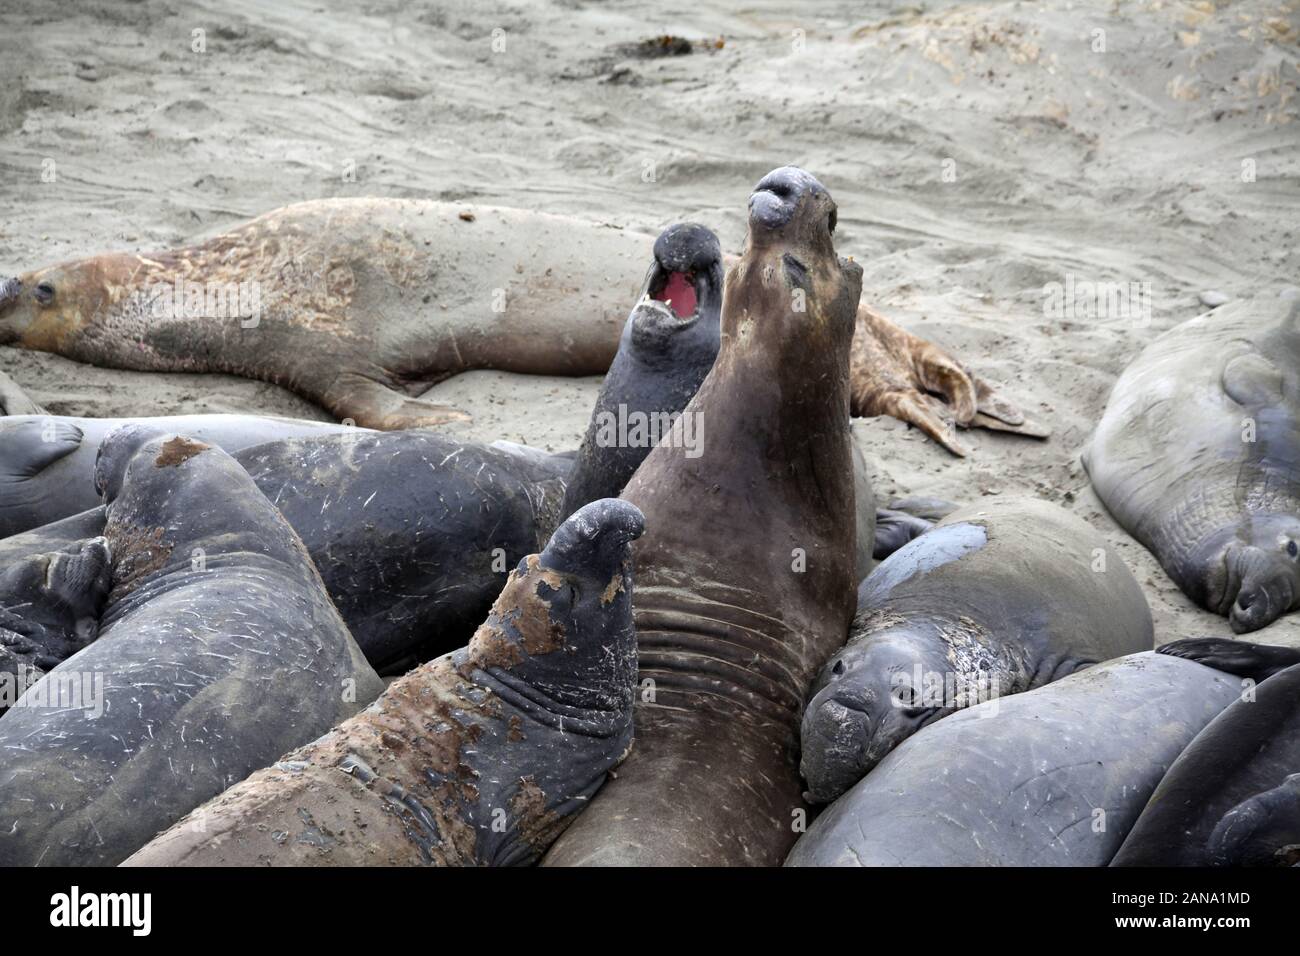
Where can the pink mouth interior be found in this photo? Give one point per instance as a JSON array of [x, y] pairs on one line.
[[678, 292]]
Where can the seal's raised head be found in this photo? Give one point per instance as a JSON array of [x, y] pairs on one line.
[[684, 284], [790, 267]]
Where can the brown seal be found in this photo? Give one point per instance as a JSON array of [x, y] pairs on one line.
[[357, 304], [745, 576]]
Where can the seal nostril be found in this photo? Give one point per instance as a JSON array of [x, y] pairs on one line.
[[1245, 599], [837, 668]]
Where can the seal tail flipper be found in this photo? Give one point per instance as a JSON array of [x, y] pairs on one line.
[[1261, 831], [14, 401], [34, 445], [895, 529], [370, 404], [1256, 661]]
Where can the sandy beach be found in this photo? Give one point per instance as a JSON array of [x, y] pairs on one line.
[[978, 153]]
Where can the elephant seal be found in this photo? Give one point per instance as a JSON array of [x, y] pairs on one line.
[[1232, 798], [356, 304], [361, 304], [1052, 777], [668, 345], [1198, 457], [47, 461], [413, 533], [745, 574], [1001, 597], [483, 756], [50, 605], [218, 651]]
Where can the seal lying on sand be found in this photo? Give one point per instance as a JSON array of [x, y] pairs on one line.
[[745, 575], [362, 304], [1053, 777], [1232, 798], [49, 609], [46, 461], [480, 757], [357, 304], [1198, 457], [1000, 598], [219, 650]]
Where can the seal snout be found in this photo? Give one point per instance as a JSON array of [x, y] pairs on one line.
[[778, 195], [836, 731], [1267, 588], [9, 291], [597, 535]]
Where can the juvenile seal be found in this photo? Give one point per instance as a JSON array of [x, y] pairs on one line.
[[1232, 798], [1198, 457], [732, 622], [1001, 597], [218, 651], [356, 304], [667, 347], [47, 461], [50, 605], [1052, 777], [483, 756]]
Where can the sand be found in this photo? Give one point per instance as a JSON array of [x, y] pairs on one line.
[[978, 152]]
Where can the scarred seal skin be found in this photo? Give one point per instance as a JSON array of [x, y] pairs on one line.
[[481, 757], [1198, 457], [413, 533], [745, 575], [999, 598], [47, 461], [357, 304], [218, 650], [1052, 777], [1232, 798], [50, 605]]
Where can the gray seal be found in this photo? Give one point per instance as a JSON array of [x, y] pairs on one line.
[[1232, 798], [219, 650], [1001, 597], [1053, 777], [1198, 457]]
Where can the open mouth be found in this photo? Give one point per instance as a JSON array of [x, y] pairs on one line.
[[675, 290]]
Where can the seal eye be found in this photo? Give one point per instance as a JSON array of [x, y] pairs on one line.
[[1292, 549], [44, 293]]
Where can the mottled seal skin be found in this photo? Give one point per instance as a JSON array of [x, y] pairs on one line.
[[1232, 798], [1000, 598], [47, 461], [362, 303], [667, 348], [1053, 777], [413, 533], [1198, 457], [218, 650], [732, 623], [481, 757], [50, 605]]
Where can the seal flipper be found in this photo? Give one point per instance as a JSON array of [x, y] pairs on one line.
[[14, 401], [1252, 380], [1263, 830], [1256, 661], [33, 445], [895, 529], [370, 404]]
